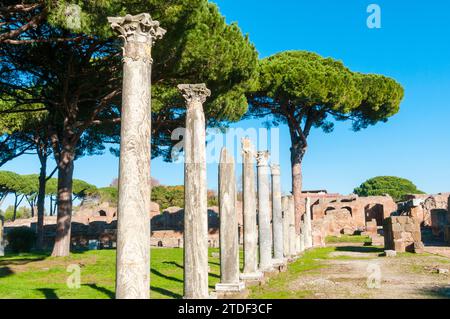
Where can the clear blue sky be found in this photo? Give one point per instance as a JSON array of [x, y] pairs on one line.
[[412, 46]]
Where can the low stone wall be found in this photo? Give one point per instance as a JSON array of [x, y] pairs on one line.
[[402, 233]]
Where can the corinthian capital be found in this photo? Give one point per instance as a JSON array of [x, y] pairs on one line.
[[138, 28], [194, 92], [262, 158]]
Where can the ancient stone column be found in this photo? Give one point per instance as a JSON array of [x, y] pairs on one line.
[[133, 226], [301, 244], [277, 215], [2, 248], [229, 237], [251, 271], [292, 233], [195, 190], [265, 229], [308, 225], [286, 242]]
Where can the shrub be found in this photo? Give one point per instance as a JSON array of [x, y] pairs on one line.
[[21, 239]]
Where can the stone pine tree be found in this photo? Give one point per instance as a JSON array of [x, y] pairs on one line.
[[396, 187], [63, 55], [306, 91]]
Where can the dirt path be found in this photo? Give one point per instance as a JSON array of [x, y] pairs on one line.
[[351, 269]]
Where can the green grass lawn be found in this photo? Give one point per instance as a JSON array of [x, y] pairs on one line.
[[348, 239], [41, 276]]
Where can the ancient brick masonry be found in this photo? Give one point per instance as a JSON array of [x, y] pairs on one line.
[[402, 233]]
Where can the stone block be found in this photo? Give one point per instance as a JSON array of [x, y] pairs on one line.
[[390, 253], [399, 245], [419, 248]]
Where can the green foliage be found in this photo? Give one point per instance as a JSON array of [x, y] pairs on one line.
[[21, 239], [198, 47], [107, 194], [304, 89], [396, 187], [168, 196], [81, 188], [22, 212]]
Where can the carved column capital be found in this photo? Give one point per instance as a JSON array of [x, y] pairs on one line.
[[262, 158], [194, 92], [138, 29]]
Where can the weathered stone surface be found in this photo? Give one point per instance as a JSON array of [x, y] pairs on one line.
[[277, 215], [419, 248], [251, 271], [308, 227], [265, 229], [292, 232], [133, 238], [390, 253], [286, 242], [402, 233], [196, 212], [229, 237]]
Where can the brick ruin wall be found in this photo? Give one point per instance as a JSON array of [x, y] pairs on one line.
[[332, 215]]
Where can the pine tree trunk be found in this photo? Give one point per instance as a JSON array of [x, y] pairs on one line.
[[15, 208], [41, 203], [297, 152], [64, 200]]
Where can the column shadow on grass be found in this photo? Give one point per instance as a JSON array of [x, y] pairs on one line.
[[360, 249], [106, 291], [166, 292], [160, 274], [48, 293], [5, 272]]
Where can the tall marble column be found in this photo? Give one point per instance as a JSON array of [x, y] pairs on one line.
[[292, 233], [133, 226], [277, 215], [229, 237], [308, 224], [251, 271], [286, 242], [195, 194], [265, 229]]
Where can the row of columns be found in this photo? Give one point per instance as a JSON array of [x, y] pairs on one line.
[[276, 241]]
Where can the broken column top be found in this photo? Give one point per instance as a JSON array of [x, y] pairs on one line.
[[194, 92], [225, 157], [275, 169], [247, 146], [137, 28], [262, 158]]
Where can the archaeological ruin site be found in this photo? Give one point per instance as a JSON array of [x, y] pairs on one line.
[[245, 219]]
